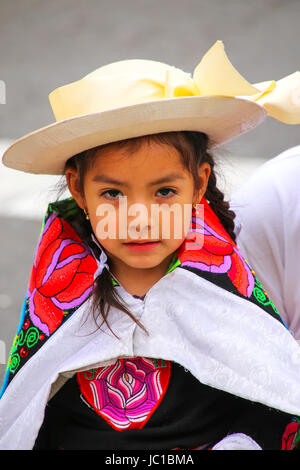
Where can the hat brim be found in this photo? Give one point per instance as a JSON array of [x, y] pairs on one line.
[[46, 150]]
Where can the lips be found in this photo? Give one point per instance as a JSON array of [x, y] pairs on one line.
[[140, 246], [142, 242]]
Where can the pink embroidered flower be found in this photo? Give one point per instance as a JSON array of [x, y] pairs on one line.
[[126, 393], [62, 275]]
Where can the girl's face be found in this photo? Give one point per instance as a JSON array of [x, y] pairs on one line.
[[140, 203]]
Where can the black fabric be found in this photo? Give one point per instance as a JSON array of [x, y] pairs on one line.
[[190, 415]]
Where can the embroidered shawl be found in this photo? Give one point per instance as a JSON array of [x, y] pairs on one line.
[[209, 313]]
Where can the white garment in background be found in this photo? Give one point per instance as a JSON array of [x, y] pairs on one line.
[[267, 208]]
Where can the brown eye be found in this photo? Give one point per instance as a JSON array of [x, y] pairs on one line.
[[111, 194], [167, 192]]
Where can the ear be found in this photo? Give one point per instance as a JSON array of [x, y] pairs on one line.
[[72, 178], [204, 171]]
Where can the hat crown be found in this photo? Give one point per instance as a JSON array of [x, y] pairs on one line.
[[122, 83]]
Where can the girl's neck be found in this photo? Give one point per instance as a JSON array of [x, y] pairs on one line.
[[137, 281]]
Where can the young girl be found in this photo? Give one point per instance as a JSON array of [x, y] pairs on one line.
[[148, 331]]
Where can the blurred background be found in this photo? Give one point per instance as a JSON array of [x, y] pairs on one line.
[[46, 44]]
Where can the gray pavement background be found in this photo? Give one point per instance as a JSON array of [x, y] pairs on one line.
[[45, 44]]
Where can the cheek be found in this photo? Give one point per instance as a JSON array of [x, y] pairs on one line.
[[174, 223], [104, 221]]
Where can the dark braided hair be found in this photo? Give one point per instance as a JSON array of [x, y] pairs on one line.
[[193, 150]]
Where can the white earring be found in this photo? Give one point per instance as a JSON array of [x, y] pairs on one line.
[[196, 208]]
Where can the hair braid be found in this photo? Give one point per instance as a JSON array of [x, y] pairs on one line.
[[216, 199]]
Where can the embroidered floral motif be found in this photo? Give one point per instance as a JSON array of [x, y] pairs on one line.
[[62, 276], [27, 341], [24, 341], [262, 296], [217, 253], [126, 393], [291, 436]]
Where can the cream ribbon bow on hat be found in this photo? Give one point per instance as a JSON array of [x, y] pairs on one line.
[[215, 75]]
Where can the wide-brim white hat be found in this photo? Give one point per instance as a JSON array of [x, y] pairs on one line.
[[132, 98]]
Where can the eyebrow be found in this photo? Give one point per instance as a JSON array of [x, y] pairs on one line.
[[166, 179]]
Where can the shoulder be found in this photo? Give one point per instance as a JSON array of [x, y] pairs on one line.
[[267, 226], [275, 179], [270, 197], [282, 171]]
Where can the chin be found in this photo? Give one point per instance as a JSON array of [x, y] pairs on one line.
[[143, 263]]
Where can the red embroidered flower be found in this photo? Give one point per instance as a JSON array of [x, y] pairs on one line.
[[62, 275], [290, 435], [209, 248]]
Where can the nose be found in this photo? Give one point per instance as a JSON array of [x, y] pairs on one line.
[[140, 220]]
